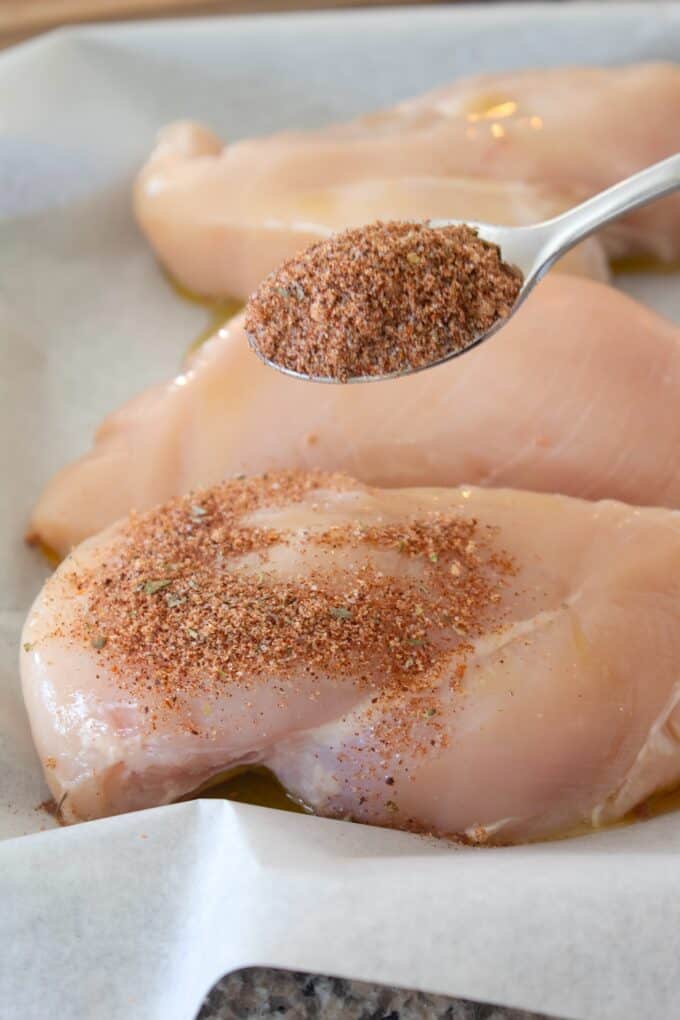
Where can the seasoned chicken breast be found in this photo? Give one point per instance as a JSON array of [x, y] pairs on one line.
[[510, 148], [578, 394], [491, 664]]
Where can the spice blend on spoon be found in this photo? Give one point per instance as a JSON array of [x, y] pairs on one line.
[[375, 300]]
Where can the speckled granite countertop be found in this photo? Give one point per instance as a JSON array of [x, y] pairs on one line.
[[258, 994]]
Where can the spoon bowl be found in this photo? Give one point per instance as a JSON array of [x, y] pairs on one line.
[[534, 249]]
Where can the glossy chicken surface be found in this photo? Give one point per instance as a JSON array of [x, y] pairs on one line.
[[553, 707], [579, 394], [217, 237], [510, 148]]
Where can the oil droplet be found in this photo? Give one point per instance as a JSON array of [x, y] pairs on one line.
[[644, 264], [250, 785], [491, 107], [46, 551], [220, 310]]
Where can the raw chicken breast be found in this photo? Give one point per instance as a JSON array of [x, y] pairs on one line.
[[220, 218], [494, 664], [578, 394], [217, 237]]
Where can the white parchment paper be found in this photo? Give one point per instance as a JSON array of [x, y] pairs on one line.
[[135, 917]]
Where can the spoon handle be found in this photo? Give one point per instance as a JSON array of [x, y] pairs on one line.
[[564, 231]]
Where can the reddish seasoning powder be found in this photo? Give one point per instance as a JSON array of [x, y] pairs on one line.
[[380, 299], [177, 612]]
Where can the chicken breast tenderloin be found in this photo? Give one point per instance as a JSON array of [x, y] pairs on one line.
[[579, 394], [487, 663], [513, 147]]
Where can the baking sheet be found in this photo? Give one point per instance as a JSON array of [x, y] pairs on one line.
[[137, 916]]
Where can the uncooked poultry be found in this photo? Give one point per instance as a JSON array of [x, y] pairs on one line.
[[581, 397], [489, 664], [508, 148]]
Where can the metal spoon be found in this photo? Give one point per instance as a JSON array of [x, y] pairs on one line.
[[536, 248]]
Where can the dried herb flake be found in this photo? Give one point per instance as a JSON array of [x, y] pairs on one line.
[[340, 613], [152, 587]]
